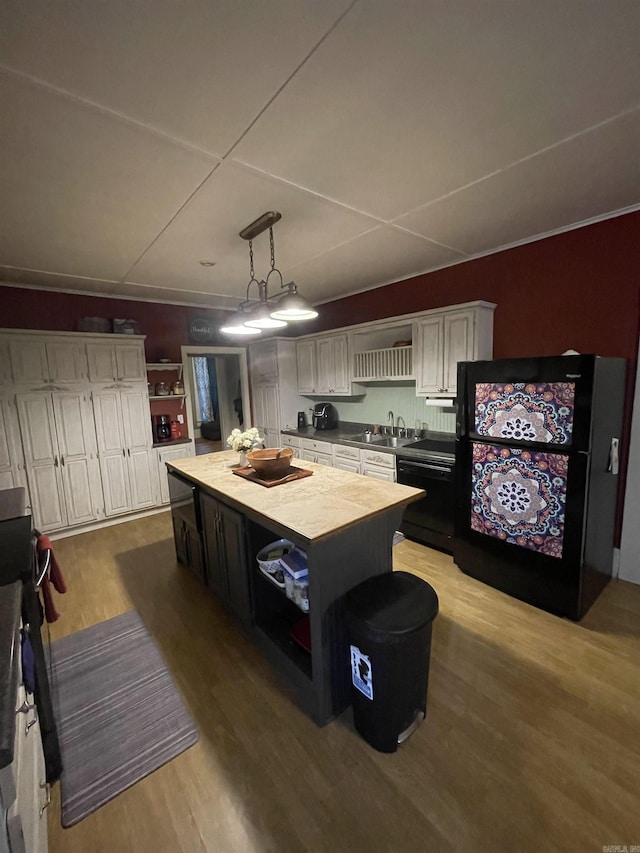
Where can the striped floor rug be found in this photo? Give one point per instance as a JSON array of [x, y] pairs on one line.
[[119, 714]]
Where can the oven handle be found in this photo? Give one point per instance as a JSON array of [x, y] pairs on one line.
[[428, 466]]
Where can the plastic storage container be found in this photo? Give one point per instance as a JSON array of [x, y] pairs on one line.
[[269, 560], [390, 619], [296, 578]]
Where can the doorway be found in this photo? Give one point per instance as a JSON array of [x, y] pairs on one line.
[[217, 390]]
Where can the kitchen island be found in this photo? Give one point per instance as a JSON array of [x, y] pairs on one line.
[[343, 522]]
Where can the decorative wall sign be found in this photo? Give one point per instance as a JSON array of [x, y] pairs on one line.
[[202, 330]]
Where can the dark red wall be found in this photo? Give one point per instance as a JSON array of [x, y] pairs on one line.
[[166, 326], [578, 290]]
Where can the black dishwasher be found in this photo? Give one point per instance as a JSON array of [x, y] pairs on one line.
[[187, 523]]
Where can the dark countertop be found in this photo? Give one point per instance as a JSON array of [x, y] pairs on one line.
[[10, 608], [443, 443]]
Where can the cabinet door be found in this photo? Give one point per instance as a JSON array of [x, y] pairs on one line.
[[136, 417], [429, 370], [102, 362], [259, 411], [341, 373], [458, 346], [386, 474], [306, 360], [142, 481], [67, 361], [12, 470], [214, 565], [263, 360], [180, 540], [308, 455], [346, 465], [78, 461], [324, 353], [111, 451], [271, 408], [37, 425], [235, 559], [6, 376], [29, 361], [130, 363]]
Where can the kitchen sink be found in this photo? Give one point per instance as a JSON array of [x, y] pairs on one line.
[[366, 438], [393, 441]]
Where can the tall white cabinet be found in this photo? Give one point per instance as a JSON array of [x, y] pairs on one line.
[[273, 377], [58, 440], [75, 427]]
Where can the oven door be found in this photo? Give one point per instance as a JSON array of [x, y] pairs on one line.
[[429, 520]]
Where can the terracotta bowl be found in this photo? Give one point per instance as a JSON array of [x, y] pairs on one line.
[[271, 463]]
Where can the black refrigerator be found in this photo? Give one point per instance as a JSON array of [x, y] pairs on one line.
[[537, 445]]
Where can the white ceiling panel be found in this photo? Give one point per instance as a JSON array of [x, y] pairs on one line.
[[195, 69], [408, 101], [147, 293], [348, 268], [82, 194], [51, 281], [138, 138], [209, 227], [546, 192]]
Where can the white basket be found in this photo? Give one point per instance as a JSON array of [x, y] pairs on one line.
[[269, 560]]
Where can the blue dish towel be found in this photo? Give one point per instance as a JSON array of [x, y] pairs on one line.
[[28, 663]]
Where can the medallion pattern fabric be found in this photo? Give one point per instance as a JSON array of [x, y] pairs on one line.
[[520, 496], [520, 411]]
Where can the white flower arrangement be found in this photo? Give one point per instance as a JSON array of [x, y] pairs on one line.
[[243, 441]]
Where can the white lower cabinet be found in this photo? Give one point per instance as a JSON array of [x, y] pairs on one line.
[[123, 429], [169, 454], [380, 465], [317, 451], [24, 792], [346, 458], [60, 458]]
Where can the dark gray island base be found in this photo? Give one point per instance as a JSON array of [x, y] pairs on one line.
[[345, 524]]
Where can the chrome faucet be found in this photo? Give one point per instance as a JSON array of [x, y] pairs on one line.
[[402, 430], [390, 419]]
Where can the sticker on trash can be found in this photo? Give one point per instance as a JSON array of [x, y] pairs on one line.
[[361, 674]]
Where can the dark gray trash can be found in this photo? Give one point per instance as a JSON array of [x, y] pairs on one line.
[[389, 619]]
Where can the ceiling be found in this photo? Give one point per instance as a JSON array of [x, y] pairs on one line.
[[395, 137]]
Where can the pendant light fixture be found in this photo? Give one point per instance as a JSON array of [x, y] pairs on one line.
[[267, 312]]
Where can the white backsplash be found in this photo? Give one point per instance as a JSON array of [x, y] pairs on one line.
[[401, 400]]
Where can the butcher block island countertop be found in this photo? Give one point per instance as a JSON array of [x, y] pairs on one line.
[[344, 523], [310, 508]]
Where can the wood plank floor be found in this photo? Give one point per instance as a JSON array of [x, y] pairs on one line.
[[531, 743]]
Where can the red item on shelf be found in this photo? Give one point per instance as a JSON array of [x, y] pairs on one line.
[[301, 633], [175, 430]]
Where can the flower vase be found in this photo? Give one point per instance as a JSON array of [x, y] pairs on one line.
[[242, 459]]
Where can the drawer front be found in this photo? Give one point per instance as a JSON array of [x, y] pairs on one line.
[[376, 457], [291, 441], [342, 451], [319, 446]]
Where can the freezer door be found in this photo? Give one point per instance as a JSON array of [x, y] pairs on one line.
[[535, 401]]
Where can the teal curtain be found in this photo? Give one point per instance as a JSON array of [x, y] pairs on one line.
[[203, 389]]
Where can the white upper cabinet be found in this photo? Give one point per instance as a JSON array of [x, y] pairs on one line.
[[442, 339], [263, 362], [306, 358], [116, 361], [324, 366], [37, 361], [12, 470], [6, 376]]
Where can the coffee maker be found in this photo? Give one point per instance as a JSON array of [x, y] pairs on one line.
[[325, 416], [162, 427]]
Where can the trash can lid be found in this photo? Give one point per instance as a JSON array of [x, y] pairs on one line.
[[394, 603]]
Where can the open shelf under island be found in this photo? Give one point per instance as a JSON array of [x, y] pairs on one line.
[[343, 522]]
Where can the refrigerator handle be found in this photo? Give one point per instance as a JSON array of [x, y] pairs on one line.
[[614, 459]]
